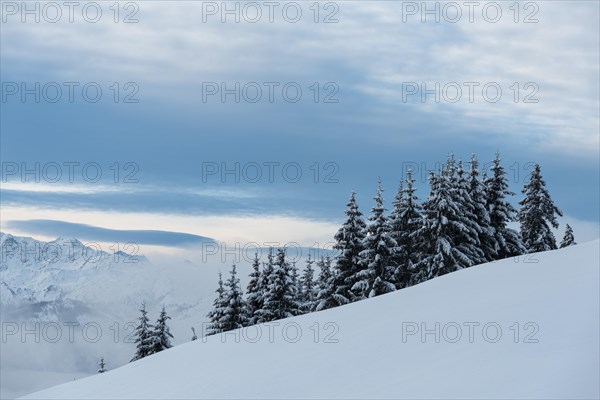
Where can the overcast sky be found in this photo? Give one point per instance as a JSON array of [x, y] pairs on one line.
[[290, 164]]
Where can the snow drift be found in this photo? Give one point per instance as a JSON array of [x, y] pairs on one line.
[[525, 327]]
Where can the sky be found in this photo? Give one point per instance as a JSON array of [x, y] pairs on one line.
[[171, 123]]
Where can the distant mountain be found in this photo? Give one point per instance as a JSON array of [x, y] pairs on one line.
[[48, 284], [35, 271]]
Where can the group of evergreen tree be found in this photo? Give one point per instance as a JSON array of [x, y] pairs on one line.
[[464, 221], [151, 339], [275, 290]]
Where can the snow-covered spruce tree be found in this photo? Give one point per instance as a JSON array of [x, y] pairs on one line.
[[501, 212], [476, 189], [144, 336], [349, 242], [281, 299], [376, 259], [537, 211], [254, 292], [102, 366], [235, 314], [405, 221], [194, 336], [325, 285], [466, 238], [266, 277], [569, 238], [216, 314], [437, 236], [308, 289], [162, 334], [297, 284]]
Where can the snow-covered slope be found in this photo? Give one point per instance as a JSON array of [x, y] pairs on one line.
[[66, 282], [529, 328]]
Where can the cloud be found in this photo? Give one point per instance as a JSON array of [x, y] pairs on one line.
[[262, 229], [369, 52], [94, 233], [167, 200]]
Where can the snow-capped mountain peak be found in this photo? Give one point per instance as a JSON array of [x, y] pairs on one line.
[[37, 271]]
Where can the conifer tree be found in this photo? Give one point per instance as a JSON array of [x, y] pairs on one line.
[[349, 242], [267, 272], [440, 253], [102, 366], [281, 298], [254, 292], [218, 311], [569, 238], [296, 283], [466, 236], [266, 277], [501, 212], [325, 285], [476, 189], [376, 259], [235, 314], [537, 211], [308, 290], [144, 336], [162, 335], [405, 221]]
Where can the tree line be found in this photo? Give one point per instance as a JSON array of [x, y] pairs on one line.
[[464, 221]]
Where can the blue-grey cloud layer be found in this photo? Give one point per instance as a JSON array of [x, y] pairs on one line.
[[94, 233], [369, 133]]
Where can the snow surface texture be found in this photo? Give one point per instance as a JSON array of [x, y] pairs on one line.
[[372, 349]]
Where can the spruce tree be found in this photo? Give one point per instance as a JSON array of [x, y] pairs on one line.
[[281, 298], [476, 189], [218, 311], [569, 238], [376, 259], [267, 273], [396, 228], [466, 236], [308, 290], [537, 211], [441, 253], [254, 292], [102, 366], [349, 242], [405, 221], [296, 283], [235, 313], [144, 336], [266, 277], [162, 335], [325, 285], [501, 212]]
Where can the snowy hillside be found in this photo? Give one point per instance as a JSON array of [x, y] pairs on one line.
[[64, 282], [517, 328]]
